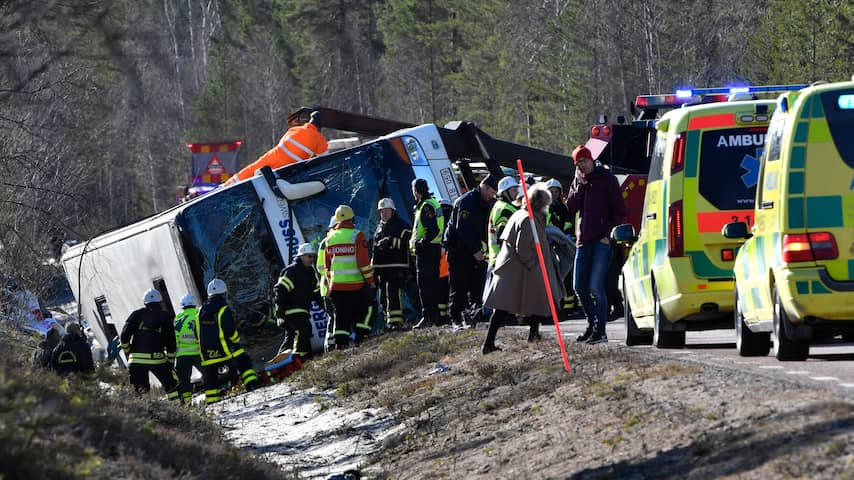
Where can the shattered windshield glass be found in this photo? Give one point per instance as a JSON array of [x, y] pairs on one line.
[[226, 235], [358, 177]]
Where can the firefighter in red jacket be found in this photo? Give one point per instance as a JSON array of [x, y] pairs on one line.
[[299, 143], [350, 278], [148, 340]]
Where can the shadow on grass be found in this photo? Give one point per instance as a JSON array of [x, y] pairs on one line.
[[736, 451]]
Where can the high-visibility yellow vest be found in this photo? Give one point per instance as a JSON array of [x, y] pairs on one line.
[[498, 217], [321, 266], [185, 332], [344, 268], [420, 230]]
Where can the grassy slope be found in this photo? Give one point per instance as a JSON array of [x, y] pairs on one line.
[[58, 428], [623, 413]]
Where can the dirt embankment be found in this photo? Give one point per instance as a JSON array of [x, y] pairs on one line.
[[623, 413]]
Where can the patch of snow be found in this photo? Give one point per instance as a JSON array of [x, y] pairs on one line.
[[296, 430]]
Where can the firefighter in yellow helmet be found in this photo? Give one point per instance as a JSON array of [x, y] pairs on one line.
[[219, 342], [350, 279]]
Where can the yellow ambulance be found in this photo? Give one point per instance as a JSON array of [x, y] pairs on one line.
[[703, 174], [795, 273]]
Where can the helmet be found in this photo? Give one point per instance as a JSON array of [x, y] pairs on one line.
[[333, 221], [343, 213], [152, 296], [188, 300], [507, 183], [216, 287], [306, 249], [554, 183], [386, 203], [420, 186], [445, 202]]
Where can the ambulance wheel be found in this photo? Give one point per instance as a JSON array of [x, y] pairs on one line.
[[660, 337], [784, 348], [748, 343], [634, 335]]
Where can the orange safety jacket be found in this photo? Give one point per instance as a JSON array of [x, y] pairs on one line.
[[297, 144], [358, 249]]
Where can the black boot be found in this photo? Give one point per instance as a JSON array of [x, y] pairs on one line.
[[494, 324], [534, 332]]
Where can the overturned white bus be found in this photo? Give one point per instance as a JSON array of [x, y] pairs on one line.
[[245, 233]]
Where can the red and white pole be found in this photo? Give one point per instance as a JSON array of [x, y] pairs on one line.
[[543, 266]]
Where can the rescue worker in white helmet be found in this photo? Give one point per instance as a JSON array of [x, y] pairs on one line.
[[559, 216], [219, 343], [295, 291], [504, 207], [148, 340], [391, 261], [351, 279], [426, 245], [187, 354]]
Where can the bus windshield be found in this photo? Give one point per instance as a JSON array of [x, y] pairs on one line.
[[358, 177], [226, 235]]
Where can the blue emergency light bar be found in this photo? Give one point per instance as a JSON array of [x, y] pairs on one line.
[[714, 94], [739, 89]]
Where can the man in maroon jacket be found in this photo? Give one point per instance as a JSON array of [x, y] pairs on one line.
[[595, 195]]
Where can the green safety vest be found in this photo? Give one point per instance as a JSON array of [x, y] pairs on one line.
[[185, 333], [421, 230], [321, 266], [498, 217], [344, 268]]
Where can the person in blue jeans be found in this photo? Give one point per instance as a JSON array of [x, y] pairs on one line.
[[595, 196]]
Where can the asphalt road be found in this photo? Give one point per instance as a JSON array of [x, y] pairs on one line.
[[829, 365]]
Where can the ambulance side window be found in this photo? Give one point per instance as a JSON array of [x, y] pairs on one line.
[[774, 140], [657, 163]]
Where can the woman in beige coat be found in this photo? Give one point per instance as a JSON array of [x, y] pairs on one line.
[[517, 283]]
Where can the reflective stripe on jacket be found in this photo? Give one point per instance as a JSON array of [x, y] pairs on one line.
[[298, 143], [420, 230], [498, 217], [185, 332], [215, 328], [347, 260]]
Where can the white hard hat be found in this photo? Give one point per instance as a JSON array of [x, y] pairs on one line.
[[306, 249], [188, 300], [445, 202], [506, 183], [216, 287], [332, 221], [152, 296], [386, 203], [554, 183]]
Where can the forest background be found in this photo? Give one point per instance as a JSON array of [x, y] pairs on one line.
[[98, 98]]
